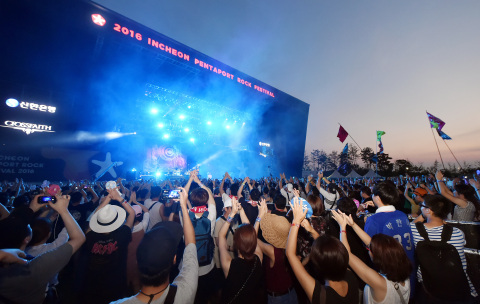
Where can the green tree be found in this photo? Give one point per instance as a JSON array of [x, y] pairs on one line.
[[333, 160], [366, 156], [353, 154], [403, 166], [306, 163]]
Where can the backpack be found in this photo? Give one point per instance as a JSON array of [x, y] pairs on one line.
[[442, 271], [203, 238]]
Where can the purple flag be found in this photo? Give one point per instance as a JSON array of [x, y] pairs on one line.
[[443, 135], [380, 145], [435, 122]]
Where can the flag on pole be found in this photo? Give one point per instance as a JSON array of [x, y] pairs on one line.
[[375, 158], [342, 134], [345, 149], [443, 135], [435, 122], [379, 135], [380, 145]]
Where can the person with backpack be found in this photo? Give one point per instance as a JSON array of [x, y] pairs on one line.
[[440, 255], [331, 195], [203, 215], [156, 256]]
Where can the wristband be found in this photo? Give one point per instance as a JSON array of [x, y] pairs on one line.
[[343, 231], [295, 225], [258, 219], [229, 219], [124, 202]]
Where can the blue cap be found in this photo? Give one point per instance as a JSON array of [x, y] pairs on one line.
[[306, 205]]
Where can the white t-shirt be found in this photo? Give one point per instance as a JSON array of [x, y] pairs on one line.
[[154, 212]]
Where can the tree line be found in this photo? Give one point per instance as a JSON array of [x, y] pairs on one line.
[[363, 160]]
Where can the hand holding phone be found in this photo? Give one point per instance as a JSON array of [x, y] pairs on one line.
[[43, 199]]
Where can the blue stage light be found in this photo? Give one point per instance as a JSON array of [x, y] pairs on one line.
[[134, 170], [228, 127], [186, 129], [160, 125], [166, 136], [181, 116], [209, 122], [154, 111], [192, 139], [157, 174]]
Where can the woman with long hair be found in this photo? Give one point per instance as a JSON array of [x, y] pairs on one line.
[[245, 280], [392, 283], [467, 206], [329, 259]]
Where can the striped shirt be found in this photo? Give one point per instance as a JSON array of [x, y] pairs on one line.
[[464, 214], [457, 240]]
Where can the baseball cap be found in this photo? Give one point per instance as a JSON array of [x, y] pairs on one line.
[[289, 187], [420, 192], [158, 247]]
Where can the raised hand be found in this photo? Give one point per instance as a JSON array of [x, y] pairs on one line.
[[340, 218], [183, 197], [262, 208], [299, 213]]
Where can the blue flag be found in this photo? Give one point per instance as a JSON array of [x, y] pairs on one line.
[[375, 158], [345, 149], [443, 135]]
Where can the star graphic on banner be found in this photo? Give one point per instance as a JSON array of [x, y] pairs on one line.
[[107, 166], [243, 170], [98, 19]]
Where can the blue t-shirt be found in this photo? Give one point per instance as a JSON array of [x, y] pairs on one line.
[[395, 224]]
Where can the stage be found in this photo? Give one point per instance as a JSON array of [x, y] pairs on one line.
[[83, 88]]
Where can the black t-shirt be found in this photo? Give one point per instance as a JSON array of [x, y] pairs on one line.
[[333, 297], [280, 213], [245, 282], [218, 205], [81, 212], [106, 263], [250, 211]]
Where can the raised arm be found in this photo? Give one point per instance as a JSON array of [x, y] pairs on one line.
[[188, 231], [114, 194], [77, 238], [240, 189], [262, 210], [445, 192], [222, 185], [367, 274], [305, 279], [225, 258], [407, 197]]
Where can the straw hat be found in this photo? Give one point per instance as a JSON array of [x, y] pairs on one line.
[[275, 229], [107, 219]]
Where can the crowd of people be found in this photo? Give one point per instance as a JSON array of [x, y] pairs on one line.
[[270, 240]]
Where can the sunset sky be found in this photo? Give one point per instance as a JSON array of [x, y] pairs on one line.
[[369, 65]]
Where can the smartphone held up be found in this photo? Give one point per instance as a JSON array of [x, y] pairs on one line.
[[44, 199]]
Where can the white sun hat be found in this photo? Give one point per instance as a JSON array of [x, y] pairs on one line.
[[108, 219]]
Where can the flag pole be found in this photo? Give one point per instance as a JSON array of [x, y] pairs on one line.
[[453, 154], [437, 145], [352, 138], [376, 153]]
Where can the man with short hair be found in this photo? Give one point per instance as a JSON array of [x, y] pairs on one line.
[[435, 208], [280, 205], [203, 215], [26, 282], [153, 205], [388, 220], [156, 255]]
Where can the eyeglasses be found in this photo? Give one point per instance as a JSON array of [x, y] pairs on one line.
[[423, 205]]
